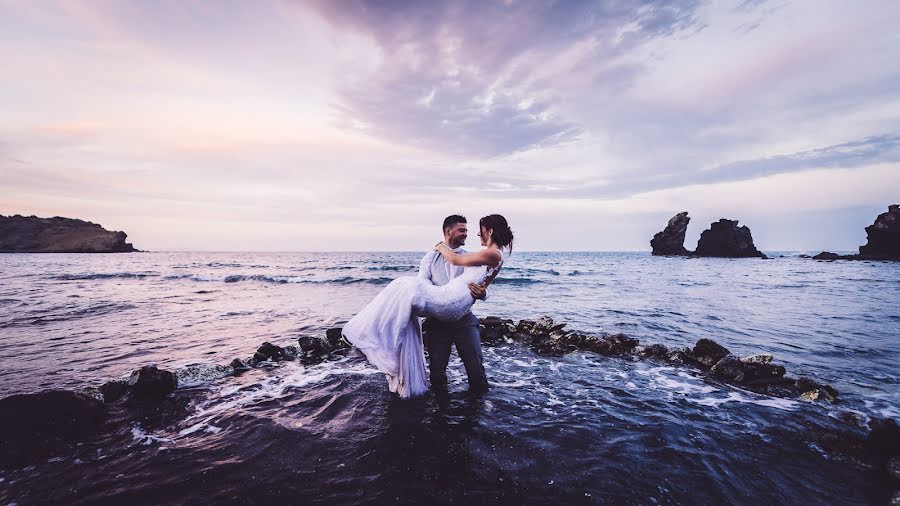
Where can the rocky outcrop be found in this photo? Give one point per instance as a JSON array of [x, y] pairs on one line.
[[149, 382], [755, 373], [883, 241], [725, 238], [30, 234], [671, 240]]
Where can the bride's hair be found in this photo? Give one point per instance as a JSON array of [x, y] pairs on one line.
[[503, 236]]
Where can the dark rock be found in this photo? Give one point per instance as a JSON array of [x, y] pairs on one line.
[[725, 239], [313, 345], [680, 357], [268, 351], [113, 390], [21, 234], [884, 441], [336, 338], [707, 352], [493, 329], [731, 369], [810, 390], [148, 382], [655, 351], [290, 352], [826, 255], [893, 468], [883, 241], [671, 240], [239, 366], [34, 426]]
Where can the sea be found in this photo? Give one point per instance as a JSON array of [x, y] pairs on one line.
[[576, 429]]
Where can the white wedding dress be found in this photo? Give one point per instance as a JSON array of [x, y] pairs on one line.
[[388, 332]]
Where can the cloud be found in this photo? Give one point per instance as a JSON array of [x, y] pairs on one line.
[[472, 77]]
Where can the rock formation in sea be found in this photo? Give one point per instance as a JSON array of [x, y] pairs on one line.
[[30, 234], [671, 240], [725, 238], [882, 241]]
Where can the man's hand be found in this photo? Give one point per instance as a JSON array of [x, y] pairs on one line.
[[478, 291]]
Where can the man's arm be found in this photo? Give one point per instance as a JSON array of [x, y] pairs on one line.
[[425, 266]]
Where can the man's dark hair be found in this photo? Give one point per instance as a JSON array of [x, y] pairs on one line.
[[452, 220]]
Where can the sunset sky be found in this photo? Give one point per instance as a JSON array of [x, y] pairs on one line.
[[355, 125]]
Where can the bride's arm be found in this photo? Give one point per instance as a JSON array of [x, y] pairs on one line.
[[487, 256]]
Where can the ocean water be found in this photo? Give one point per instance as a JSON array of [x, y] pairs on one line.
[[580, 429]]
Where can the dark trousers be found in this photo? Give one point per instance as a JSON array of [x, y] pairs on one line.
[[440, 336]]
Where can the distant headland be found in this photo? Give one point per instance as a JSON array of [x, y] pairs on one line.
[[30, 234]]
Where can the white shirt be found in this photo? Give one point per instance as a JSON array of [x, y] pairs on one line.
[[437, 271]]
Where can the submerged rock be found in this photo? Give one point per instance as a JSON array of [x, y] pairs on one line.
[[40, 424], [30, 234], [670, 241], [114, 390], [149, 382], [725, 238]]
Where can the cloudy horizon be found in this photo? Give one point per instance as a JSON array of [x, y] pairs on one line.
[[355, 125]]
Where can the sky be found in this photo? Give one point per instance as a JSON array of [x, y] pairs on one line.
[[330, 125]]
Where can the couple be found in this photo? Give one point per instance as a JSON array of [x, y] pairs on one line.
[[387, 330]]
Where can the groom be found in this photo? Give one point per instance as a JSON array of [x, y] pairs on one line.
[[440, 335]]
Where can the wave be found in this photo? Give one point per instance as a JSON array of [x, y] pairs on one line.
[[109, 275], [61, 314], [516, 281]]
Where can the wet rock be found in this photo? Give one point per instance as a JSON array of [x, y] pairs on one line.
[[680, 357], [40, 424], [290, 352], [815, 391], [883, 241], [764, 358], [149, 382], [202, 373], [493, 330], [725, 238], [731, 369], [336, 339], [893, 468], [113, 390], [654, 351], [239, 366], [826, 255], [313, 345], [883, 441], [817, 394], [268, 351], [671, 240], [707, 352]]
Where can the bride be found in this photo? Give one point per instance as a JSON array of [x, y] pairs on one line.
[[387, 330]]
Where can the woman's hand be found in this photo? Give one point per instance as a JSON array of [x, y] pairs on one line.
[[437, 247]]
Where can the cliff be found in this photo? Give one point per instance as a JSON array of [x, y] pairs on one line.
[[30, 234]]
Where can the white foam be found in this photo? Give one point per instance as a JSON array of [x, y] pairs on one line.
[[146, 438], [772, 402]]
